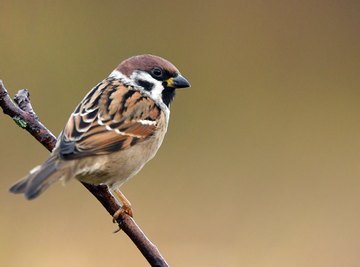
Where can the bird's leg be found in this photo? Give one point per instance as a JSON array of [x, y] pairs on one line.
[[125, 206]]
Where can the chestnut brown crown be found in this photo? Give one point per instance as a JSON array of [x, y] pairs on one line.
[[146, 63]]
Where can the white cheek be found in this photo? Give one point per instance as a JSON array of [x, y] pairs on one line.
[[156, 91]]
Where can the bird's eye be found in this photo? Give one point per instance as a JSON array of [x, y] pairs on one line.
[[157, 72]]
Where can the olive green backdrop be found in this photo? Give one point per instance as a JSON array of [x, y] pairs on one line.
[[260, 166]]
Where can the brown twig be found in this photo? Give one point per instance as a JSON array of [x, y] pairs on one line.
[[23, 114]]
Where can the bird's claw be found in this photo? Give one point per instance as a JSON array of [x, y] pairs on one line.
[[123, 210]]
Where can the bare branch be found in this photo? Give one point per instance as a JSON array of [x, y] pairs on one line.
[[26, 119], [22, 99], [23, 114]]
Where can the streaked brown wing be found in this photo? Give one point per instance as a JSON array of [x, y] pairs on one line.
[[112, 117]]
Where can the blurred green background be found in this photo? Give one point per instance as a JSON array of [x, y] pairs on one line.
[[260, 166]]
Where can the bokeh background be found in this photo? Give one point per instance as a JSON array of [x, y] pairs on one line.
[[260, 166]]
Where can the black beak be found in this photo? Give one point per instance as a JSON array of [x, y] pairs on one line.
[[178, 82]]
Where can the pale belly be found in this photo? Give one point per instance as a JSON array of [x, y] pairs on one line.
[[116, 168]]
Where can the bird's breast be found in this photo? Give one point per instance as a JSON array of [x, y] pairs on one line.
[[116, 168]]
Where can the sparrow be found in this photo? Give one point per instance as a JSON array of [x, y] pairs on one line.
[[114, 131]]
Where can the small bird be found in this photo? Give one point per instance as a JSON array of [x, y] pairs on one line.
[[114, 131]]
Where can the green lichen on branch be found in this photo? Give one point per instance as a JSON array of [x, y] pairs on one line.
[[20, 122]]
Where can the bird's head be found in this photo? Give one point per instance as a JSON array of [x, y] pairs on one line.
[[155, 75]]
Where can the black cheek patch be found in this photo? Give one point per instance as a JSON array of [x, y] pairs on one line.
[[148, 86]]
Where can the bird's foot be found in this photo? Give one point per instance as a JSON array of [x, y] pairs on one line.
[[125, 207], [123, 210]]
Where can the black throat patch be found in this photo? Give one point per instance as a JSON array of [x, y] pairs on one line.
[[168, 95]]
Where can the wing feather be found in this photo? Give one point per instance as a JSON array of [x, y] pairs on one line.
[[113, 116]]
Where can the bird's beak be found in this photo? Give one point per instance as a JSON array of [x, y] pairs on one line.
[[178, 82]]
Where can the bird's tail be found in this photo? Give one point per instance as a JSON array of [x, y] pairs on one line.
[[39, 179]]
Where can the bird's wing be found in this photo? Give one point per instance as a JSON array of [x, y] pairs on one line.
[[113, 116]]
